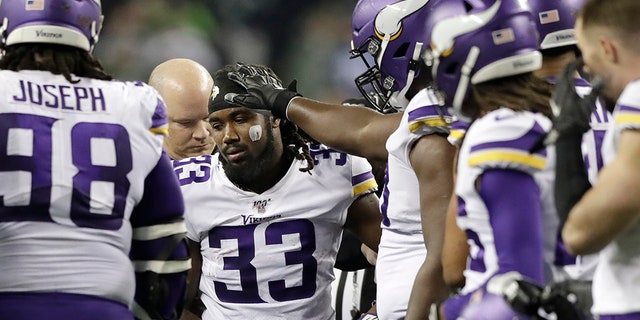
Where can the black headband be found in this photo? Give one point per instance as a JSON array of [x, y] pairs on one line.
[[222, 85]]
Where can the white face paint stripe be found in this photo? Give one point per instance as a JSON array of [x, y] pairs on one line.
[[255, 132]]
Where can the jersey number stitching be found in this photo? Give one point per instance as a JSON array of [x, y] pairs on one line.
[[38, 166], [274, 232]]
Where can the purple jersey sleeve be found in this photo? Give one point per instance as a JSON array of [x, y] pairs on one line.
[[162, 200], [512, 198], [159, 249]]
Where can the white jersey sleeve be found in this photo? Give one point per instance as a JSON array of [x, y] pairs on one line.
[[504, 140]]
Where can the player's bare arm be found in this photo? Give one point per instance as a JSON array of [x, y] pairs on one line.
[[587, 230]]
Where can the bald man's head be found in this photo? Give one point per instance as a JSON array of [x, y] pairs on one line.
[[185, 87]]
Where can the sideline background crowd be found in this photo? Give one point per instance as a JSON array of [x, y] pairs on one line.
[[308, 40]]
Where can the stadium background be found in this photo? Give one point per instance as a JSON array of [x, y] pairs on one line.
[[303, 39]]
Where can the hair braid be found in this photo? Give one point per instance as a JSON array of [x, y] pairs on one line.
[[57, 59], [295, 142]]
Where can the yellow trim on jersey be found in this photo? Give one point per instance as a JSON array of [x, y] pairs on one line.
[[627, 117], [527, 159], [457, 134], [435, 122], [364, 186], [164, 130]]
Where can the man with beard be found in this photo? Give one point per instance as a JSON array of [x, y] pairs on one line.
[[265, 213]]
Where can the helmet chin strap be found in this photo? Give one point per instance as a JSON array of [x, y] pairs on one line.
[[383, 48], [463, 84], [398, 99]]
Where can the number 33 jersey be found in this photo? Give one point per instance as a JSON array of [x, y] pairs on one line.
[[271, 255]]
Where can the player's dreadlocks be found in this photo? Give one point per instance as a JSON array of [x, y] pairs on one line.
[[297, 144], [292, 138], [57, 59]]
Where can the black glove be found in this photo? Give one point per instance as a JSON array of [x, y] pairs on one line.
[[264, 91], [571, 122], [572, 113], [521, 294], [559, 299]]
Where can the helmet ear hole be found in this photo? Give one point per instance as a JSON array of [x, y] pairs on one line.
[[451, 68], [468, 6], [402, 50]]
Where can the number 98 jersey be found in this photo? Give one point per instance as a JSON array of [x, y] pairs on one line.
[[271, 255], [73, 162]]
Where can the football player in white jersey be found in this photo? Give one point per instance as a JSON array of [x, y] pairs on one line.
[[91, 213], [419, 159], [555, 23], [483, 53], [266, 213], [185, 87], [605, 219]]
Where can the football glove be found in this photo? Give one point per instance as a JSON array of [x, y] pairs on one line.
[[521, 295], [567, 300], [263, 90], [571, 112], [524, 296]]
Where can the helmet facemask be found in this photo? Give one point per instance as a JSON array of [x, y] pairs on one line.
[[372, 84]]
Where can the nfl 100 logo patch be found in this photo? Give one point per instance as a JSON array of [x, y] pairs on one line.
[[32, 5], [260, 206]]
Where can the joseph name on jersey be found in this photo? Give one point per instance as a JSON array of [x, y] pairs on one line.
[[73, 162], [271, 255]]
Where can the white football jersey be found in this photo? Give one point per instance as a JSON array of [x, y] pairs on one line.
[[402, 250], [73, 163], [616, 283], [271, 255], [502, 139]]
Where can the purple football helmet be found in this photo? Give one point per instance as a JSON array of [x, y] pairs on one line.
[[75, 23], [555, 21], [389, 36], [474, 41]]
